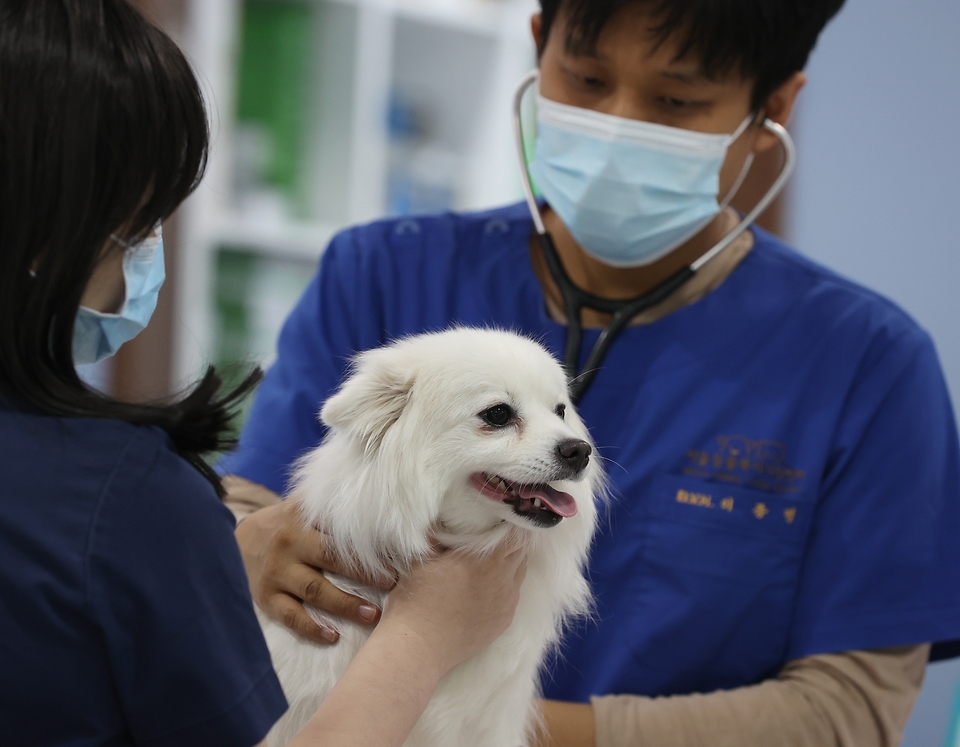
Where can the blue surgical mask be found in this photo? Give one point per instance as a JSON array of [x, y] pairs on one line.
[[628, 191], [97, 335]]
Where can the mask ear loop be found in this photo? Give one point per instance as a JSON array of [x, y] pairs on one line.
[[129, 253], [747, 164], [157, 234], [789, 161]]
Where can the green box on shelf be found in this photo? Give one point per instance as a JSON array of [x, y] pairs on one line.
[[274, 49]]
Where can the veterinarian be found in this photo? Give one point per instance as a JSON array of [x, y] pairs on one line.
[[780, 560], [125, 613]]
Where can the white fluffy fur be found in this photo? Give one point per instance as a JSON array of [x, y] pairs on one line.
[[405, 436]]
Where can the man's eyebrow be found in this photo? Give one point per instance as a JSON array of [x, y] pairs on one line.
[[577, 48], [686, 76]]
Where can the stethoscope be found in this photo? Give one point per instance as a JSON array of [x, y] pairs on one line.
[[624, 310]]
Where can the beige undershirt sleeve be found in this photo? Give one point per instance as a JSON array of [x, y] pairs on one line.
[[853, 699]]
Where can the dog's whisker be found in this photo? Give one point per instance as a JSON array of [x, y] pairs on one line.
[[582, 374], [599, 446], [611, 461]]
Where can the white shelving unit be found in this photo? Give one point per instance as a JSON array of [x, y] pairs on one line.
[[457, 60]]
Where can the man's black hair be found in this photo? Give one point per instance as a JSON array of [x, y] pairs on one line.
[[766, 41], [102, 128]]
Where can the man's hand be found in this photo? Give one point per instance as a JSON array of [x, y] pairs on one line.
[[284, 559]]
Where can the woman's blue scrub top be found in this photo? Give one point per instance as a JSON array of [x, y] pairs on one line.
[[783, 452], [125, 614]]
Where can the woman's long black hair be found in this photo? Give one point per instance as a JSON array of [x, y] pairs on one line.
[[102, 126]]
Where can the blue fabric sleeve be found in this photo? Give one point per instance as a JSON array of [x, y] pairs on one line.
[[166, 584], [882, 566], [315, 345]]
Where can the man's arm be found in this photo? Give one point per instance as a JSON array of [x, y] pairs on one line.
[[852, 699], [244, 497]]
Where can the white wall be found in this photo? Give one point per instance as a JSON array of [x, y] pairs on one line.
[[877, 191]]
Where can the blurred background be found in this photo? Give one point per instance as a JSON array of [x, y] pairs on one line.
[[327, 113]]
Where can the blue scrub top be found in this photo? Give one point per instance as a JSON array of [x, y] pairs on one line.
[[783, 452], [125, 615]]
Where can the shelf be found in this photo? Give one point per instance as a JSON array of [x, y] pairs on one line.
[[497, 18], [453, 63]]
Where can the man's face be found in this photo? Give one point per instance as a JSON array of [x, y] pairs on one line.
[[629, 75]]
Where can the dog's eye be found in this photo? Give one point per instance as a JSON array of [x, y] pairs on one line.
[[561, 409], [498, 415]]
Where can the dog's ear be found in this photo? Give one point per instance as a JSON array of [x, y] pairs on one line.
[[371, 399]]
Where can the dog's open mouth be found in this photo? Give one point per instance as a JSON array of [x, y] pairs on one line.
[[540, 503]]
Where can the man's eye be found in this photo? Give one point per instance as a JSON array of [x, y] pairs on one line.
[[498, 415], [582, 81], [674, 104]]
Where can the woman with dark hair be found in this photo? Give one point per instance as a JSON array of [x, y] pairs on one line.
[[126, 618]]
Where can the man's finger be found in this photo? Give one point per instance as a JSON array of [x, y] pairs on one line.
[[315, 589], [289, 612], [312, 549]]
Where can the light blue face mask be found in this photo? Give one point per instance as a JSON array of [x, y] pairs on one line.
[[97, 335], [628, 191]]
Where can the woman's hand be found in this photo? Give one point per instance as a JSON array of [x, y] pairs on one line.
[[454, 605], [283, 558]]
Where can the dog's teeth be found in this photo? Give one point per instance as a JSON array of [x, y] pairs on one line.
[[537, 503]]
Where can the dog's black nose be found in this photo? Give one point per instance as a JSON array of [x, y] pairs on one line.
[[575, 453]]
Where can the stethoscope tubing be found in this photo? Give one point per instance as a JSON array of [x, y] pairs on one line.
[[622, 311]]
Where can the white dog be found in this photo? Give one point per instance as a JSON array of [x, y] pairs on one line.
[[467, 434]]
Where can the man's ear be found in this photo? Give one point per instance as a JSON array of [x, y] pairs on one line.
[[536, 23], [778, 108], [371, 400]]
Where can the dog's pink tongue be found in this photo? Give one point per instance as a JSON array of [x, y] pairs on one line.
[[561, 504]]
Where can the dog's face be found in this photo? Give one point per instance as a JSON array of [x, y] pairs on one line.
[[521, 447], [481, 418]]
